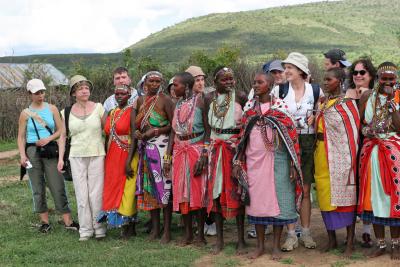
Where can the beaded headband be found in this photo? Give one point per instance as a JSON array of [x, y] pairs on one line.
[[152, 74], [121, 87], [387, 69], [223, 71]]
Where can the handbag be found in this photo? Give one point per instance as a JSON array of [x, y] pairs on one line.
[[48, 151], [67, 165]]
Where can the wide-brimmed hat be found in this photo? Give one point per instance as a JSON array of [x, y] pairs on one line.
[[35, 85], [338, 55], [195, 71], [77, 79], [299, 60]]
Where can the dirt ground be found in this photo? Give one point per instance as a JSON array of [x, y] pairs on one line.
[[302, 256]]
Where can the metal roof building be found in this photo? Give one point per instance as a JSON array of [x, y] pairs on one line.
[[15, 75]]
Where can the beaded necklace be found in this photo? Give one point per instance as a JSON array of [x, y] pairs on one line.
[[113, 133], [262, 124], [183, 121], [220, 110], [146, 116]]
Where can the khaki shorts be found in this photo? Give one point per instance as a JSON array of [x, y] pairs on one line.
[[307, 147]]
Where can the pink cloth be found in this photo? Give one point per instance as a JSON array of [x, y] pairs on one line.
[[260, 172]]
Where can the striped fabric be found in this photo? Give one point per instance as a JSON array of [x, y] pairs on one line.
[[269, 220], [368, 216], [342, 123]]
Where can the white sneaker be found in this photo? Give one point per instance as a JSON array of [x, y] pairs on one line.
[[205, 228], [212, 230], [308, 241], [84, 238], [291, 243]]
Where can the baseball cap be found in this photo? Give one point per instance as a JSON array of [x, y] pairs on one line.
[[338, 55], [276, 65], [35, 85]]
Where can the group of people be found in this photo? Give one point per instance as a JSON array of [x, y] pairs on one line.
[[225, 154]]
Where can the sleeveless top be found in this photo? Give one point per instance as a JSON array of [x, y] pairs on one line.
[[47, 116]]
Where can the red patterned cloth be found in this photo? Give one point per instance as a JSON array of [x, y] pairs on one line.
[[389, 166]]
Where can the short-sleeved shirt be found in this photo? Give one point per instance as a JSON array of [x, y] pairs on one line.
[[300, 110], [86, 134], [111, 103]]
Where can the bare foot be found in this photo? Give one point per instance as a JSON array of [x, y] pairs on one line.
[[395, 254], [240, 248], [165, 239], [348, 251], [259, 252], [330, 247], [200, 242], [186, 241], [153, 235], [377, 252], [218, 248], [276, 254]]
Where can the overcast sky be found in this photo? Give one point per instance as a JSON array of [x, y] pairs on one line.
[[105, 26]]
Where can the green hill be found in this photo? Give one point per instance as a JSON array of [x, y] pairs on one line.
[[360, 27]]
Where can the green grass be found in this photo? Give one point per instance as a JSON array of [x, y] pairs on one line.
[[8, 145], [287, 261], [22, 244], [340, 263]]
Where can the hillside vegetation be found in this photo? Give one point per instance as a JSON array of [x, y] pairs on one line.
[[360, 27]]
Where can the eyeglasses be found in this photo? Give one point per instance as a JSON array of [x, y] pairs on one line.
[[361, 72]]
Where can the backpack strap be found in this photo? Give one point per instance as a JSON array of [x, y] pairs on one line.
[[316, 90], [283, 90], [67, 111]]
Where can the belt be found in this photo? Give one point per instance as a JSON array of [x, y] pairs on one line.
[[30, 144], [226, 131], [320, 137], [189, 136]]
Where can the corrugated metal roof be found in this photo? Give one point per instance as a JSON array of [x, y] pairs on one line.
[[14, 75]]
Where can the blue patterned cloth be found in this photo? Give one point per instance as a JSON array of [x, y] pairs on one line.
[[369, 217]]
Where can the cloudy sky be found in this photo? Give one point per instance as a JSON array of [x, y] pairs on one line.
[[87, 26]]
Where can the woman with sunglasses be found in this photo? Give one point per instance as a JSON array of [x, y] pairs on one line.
[[361, 77], [40, 124], [362, 73]]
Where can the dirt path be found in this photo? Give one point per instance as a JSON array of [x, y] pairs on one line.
[[301, 256], [8, 154]]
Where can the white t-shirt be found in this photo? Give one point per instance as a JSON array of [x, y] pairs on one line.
[[302, 109]]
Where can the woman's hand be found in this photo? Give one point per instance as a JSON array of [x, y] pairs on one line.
[[166, 169], [150, 133], [42, 142], [23, 160], [236, 171], [128, 170], [310, 120], [60, 165], [200, 165], [361, 90], [138, 135]]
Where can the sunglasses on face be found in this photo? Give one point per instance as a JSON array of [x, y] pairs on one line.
[[361, 72], [39, 92]]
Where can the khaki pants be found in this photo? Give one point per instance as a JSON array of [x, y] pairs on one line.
[[88, 178], [44, 172]]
